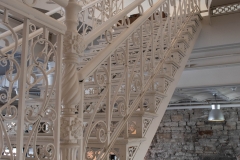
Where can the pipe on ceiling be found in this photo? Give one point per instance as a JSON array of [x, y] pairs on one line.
[[203, 106], [202, 103]]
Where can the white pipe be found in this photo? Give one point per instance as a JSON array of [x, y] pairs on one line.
[[199, 103], [53, 11], [15, 29], [34, 15], [20, 27], [212, 57], [190, 103], [202, 106], [62, 3], [31, 36]]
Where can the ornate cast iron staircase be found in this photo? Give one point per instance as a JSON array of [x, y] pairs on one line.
[[104, 84]]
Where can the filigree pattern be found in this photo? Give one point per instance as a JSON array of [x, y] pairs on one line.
[[124, 85], [146, 124], [96, 14], [133, 79], [131, 152], [26, 112], [72, 128], [226, 9]]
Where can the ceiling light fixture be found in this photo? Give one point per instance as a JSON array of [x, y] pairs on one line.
[[216, 113], [50, 2]]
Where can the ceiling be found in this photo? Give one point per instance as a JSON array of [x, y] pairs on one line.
[[205, 94], [214, 65]]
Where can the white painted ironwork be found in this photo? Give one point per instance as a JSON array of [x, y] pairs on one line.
[[225, 9], [101, 80], [29, 123], [121, 78]]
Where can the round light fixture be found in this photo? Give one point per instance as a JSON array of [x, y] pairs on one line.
[[50, 2], [216, 114]]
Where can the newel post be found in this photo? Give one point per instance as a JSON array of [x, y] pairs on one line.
[[71, 124]]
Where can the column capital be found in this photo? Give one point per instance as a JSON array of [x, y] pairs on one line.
[[73, 46], [71, 129]]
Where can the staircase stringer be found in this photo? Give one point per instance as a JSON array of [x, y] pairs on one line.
[[142, 149]]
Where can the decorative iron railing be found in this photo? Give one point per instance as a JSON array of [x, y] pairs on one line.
[[29, 57], [126, 74], [93, 14], [225, 9], [96, 13], [123, 70]]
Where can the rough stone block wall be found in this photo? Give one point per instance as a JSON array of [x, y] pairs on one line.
[[187, 135]]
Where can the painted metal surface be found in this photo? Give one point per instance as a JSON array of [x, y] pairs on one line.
[[99, 95]]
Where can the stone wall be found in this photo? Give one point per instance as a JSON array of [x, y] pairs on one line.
[[187, 135]]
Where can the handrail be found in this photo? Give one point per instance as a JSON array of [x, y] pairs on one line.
[[37, 32], [31, 36], [19, 27], [34, 15], [102, 28], [106, 52], [53, 11]]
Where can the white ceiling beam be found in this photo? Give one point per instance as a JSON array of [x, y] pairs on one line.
[[215, 60], [212, 35], [226, 76]]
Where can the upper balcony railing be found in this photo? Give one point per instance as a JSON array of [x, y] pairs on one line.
[[225, 9]]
